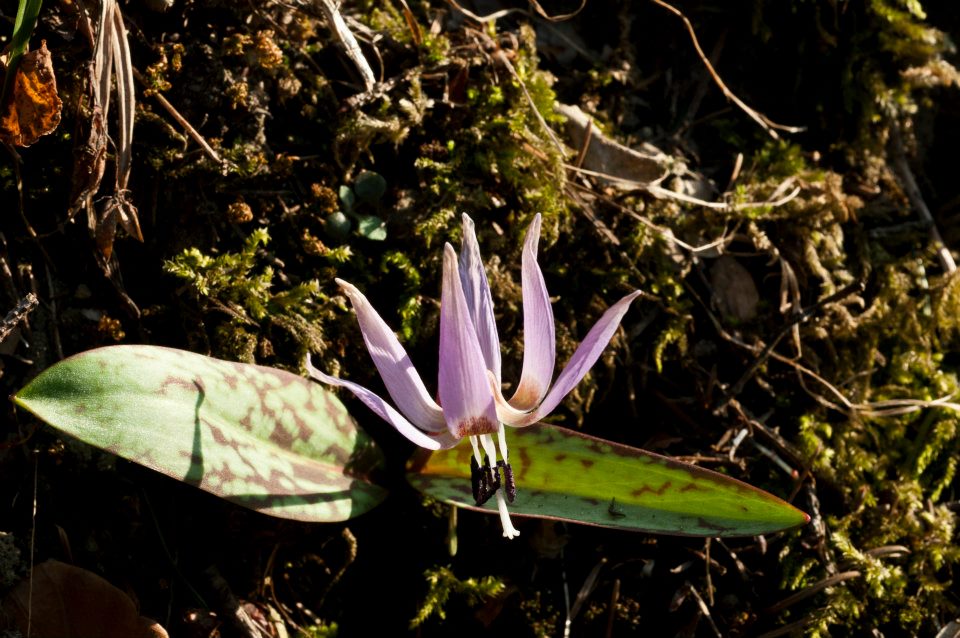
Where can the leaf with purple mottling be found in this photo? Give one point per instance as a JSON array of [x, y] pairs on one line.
[[565, 475], [260, 437]]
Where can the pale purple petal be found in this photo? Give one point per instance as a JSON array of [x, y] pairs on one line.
[[476, 291], [539, 341], [580, 363], [431, 441], [465, 395], [399, 376]]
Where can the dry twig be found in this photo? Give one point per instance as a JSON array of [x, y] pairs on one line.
[[347, 40], [811, 590], [916, 199], [18, 314], [766, 123], [111, 54], [182, 121]]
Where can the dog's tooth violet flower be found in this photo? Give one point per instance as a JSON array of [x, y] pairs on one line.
[[471, 402]]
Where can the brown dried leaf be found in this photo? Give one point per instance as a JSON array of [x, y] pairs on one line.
[[116, 210], [735, 293], [623, 167], [33, 107], [69, 602], [89, 164]]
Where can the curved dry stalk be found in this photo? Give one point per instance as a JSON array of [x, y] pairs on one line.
[[111, 55], [126, 103], [805, 593], [350, 45], [664, 193], [557, 18], [665, 233], [916, 199], [885, 408], [766, 123], [500, 57], [490, 17]]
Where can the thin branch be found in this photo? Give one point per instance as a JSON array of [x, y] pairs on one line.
[[18, 314], [182, 121], [348, 42], [502, 58], [664, 193], [560, 17], [490, 17], [665, 233], [123, 66], [886, 408], [765, 122], [811, 590], [916, 198]]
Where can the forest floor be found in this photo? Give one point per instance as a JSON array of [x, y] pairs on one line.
[[779, 178]]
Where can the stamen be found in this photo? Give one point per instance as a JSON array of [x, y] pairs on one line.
[[476, 450], [487, 441], [502, 441], [509, 531], [486, 479]]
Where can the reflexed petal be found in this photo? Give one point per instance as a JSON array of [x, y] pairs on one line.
[[399, 376], [476, 291], [432, 441], [465, 395], [580, 363], [539, 340]]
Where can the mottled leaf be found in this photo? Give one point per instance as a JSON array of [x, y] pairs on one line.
[[565, 475], [263, 438]]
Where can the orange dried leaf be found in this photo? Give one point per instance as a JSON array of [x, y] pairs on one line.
[[33, 106]]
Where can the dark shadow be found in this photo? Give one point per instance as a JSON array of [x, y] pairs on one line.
[[195, 472]]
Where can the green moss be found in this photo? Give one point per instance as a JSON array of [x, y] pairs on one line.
[[239, 284], [442, 583], [389, 19], [409, 307]]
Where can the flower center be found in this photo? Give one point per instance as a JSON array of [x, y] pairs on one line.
[[485, 476]]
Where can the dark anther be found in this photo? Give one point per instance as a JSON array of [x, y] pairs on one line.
[[509, 485], [476, 478], [483, 482], [494, 484]]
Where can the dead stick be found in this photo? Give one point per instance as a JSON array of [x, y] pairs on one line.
[[18, 314], [766, 123], [348, 41], [182, 121], [852, 289], [811, 590], [916, 199]]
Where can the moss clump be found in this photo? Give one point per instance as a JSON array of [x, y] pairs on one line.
[[238, 284], [442, 583]]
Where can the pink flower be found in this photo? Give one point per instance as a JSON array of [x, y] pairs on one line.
[[469, 387]]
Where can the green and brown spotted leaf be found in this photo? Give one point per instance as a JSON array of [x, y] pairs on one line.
[[260, 437], [565, 475]]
